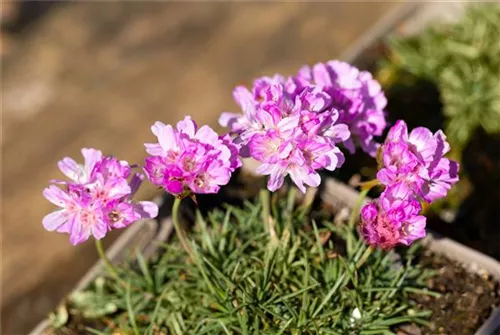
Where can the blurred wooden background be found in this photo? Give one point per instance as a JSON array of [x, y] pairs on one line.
[[98, 74]]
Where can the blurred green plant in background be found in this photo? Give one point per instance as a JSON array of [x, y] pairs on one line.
[[463, 60]]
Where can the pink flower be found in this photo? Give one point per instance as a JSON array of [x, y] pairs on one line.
[[263, 108], [393, 219], [300, 158], [289, 128], [97, 199], [357, 97], [270, 147], [417, 160], [187, 159]]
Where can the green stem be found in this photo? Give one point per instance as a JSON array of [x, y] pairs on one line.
[[352, 220], [357, 208], [181, 234], [365, 256], [266, 215], [368, 185], [305, 207], [107, 263], [266, 211]]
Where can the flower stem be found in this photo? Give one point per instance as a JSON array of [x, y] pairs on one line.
[[357, 208], [181, 234], [266, 215], [352, 220], [368, 185], [364, 257], [107, 263]]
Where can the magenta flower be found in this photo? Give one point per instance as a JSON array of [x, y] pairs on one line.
[[417, 160], [357, 97], [393, 219], [96, 199], [190, 160], [290, 129]]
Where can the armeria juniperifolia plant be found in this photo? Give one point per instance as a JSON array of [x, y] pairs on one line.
[[293, 126]]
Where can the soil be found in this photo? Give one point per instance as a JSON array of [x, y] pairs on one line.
[[466, 301]]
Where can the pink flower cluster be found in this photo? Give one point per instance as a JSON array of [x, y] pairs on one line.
[[190, 160], [293, 126], [97, 199], [412, 168], [416, 159], [393, 218], [290, 131], [356, 95]]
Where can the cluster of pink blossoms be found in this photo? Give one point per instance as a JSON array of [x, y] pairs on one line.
[[293, 126], [189, 160], [356, 95], [412, 169], [97, 198]]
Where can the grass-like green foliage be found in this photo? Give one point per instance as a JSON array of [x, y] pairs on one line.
[[463, 60], [255, 275]]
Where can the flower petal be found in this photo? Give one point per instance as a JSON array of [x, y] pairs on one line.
[[99, 229], [54, 220], [78, 237], [92, 157], [117, 188], [244, 98], [187, 126], [424, 143], [166, 136], [56, 196], [146, 209], [71, 169], [276, 178], [227, 119], [154, 149], [399, 132], [207, 135]]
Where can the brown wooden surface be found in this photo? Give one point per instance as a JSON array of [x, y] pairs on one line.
[[98, 75]]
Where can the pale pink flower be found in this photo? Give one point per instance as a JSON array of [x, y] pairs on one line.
[[96, 199]]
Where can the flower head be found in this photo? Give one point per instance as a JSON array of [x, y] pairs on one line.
[[416, 159], [290, 128], [393, 219], [96, 199], [357, 97], [190, 160]]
